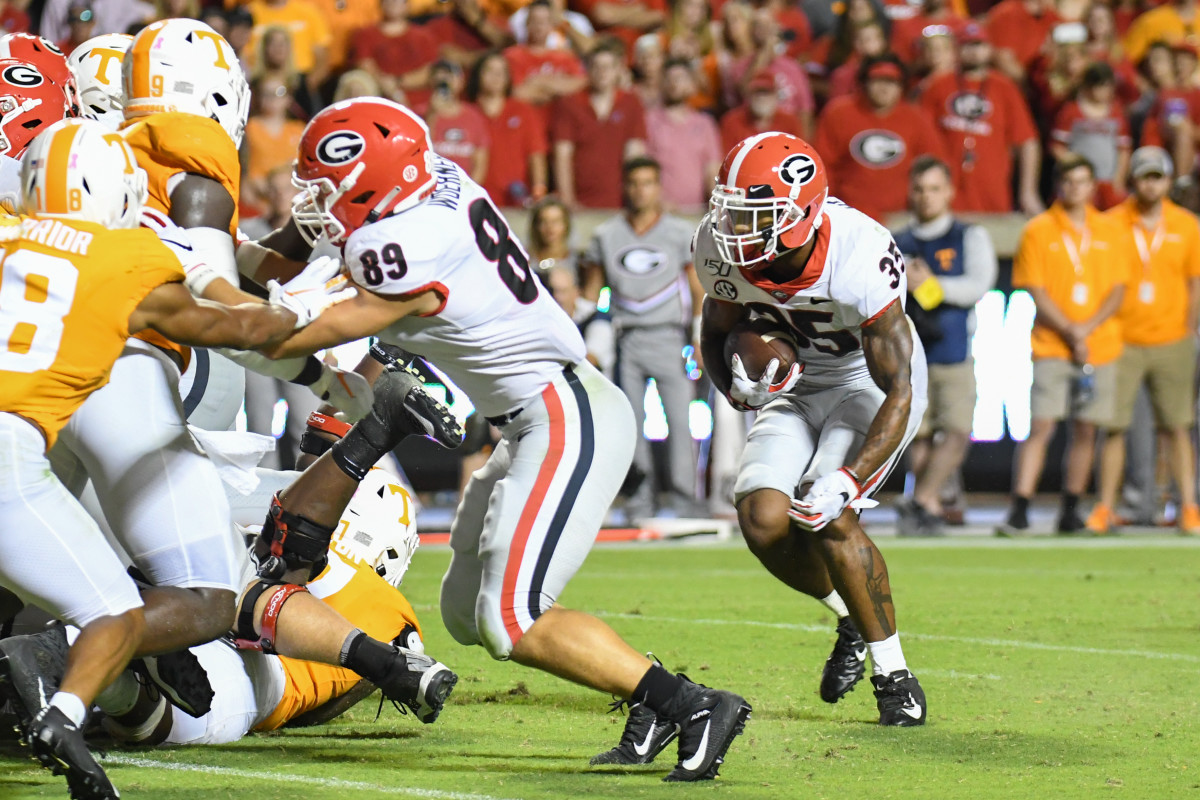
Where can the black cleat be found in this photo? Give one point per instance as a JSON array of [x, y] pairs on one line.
[[1069, 522], [181, 678], [404, 406], [900, 698], [57, 744], [645, 736], [844, 667], [419, 683], [708, 721], [30, 670], [1015, 525]]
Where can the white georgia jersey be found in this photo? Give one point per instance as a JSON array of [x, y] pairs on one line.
[[498, 335], [854, 274], [10, 184]]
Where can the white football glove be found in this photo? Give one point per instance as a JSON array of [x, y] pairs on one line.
[[827, 498], [748, 394], [349, 392], [318, 287]]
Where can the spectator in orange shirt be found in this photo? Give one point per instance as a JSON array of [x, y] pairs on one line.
[[517, 133], [625, 19], [1019, 29], [457, 129], [309, 33], [1094, 126], [272, 137], [344, 17], [1075, 263], [541, 74], [869, 42], [760, 113], [982, 117], [684, 141], [397, 53], [594, 132], [1171, 23], [870, 140], [1158, 326]]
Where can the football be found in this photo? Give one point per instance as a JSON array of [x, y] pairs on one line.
[[756, 342]]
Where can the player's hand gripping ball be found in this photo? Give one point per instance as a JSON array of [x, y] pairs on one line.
[[764, 362]]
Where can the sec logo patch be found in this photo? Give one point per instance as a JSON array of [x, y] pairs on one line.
[[725, 289]]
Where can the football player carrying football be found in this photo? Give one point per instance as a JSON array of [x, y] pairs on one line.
[[774, 245]]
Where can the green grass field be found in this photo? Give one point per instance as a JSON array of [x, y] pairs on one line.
[[1052, 668]]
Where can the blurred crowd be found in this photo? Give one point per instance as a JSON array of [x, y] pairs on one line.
[[539, 96]]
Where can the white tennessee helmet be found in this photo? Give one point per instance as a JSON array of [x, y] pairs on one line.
[[379, 526], [77, 169], [184, 65], [96, 65]]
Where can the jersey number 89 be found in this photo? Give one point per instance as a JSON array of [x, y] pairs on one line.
[[36, 293]]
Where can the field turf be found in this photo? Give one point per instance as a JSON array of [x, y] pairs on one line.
[[1053, 669]]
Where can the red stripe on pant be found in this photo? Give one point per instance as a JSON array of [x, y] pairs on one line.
[[529, 513]]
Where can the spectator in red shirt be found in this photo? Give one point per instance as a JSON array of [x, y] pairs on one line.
[[830, 52], [458, 130], [1094, 126], [648, 59], [517, 132], [397, 53], [795, 93], [12, 18], [759, 113], [81, 23], [1173, 116], [907, 33], [1104, 44], [1019, 29], [540, 73], [938, 55], [982, 116], [594, 132], [684, 141], [625, 19], [466, 29], [1055, 78], [795, 32], [869, 42], [689, 30], [869, 140]]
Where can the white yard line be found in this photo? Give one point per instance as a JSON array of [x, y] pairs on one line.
[[284, 777], [931, 637]]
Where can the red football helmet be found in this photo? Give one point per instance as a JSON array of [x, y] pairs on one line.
[[360, 160], [29, 103], [46, 56], [769, 198]]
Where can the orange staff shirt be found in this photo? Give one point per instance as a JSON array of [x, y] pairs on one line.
[[1155, 310], [1078, 270]]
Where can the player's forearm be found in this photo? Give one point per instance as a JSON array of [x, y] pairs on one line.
[[715, 323], [886, 433]]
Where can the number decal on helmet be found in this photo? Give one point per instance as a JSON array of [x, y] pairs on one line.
[[339, 147], [23, 75], [797, 169]]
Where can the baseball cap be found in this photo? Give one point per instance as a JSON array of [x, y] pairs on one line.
[[1150, 160], [885, 70], [973, 32]]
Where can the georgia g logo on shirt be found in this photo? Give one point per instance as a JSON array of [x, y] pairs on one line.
[[339, 147], [877, 149]]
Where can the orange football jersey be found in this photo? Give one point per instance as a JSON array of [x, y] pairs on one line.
[[67, 289], [351, 587], [173, 143]]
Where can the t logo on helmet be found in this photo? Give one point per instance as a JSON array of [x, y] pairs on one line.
[[339, 147], [23, 75], [797, 169]]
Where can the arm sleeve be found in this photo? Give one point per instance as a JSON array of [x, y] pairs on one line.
[[979, 270]]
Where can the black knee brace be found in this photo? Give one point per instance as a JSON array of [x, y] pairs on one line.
[[293, 542]]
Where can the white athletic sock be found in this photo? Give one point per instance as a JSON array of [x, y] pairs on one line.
[[120, 696], [836, 604], [887, 656], [70, 705]]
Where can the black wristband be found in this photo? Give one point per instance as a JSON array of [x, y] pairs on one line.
[[313, 368]]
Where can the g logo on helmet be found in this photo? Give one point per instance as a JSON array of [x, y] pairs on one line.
[[337, 148], [798, 169], [23, 75]]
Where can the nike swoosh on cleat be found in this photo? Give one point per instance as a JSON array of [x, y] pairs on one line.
[[693, 763], [861, 655], [913, 710], [644, 747]]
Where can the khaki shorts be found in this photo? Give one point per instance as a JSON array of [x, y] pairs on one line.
[[1050, 396], [1169, 373], [951, 399]]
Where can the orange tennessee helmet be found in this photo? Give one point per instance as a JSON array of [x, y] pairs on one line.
[[769, 197]]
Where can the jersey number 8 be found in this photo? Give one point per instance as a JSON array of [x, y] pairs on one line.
[[496, 245], [36, 293]]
